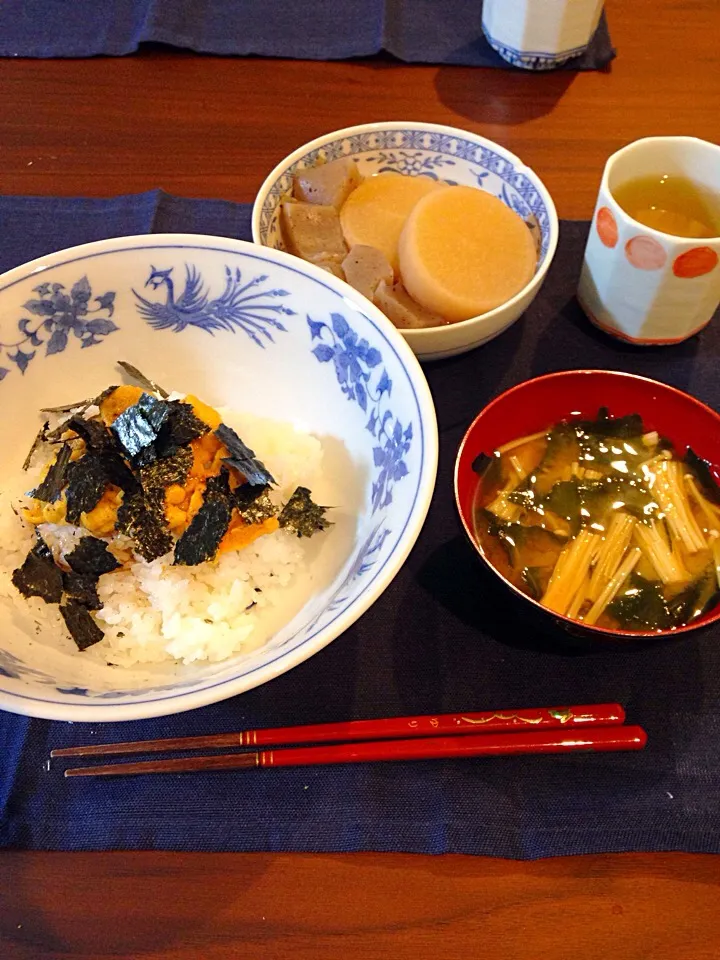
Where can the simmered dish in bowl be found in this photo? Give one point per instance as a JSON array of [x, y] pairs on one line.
[[426, 252], [403, 211]]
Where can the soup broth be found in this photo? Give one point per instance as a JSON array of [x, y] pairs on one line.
[[602, 521]]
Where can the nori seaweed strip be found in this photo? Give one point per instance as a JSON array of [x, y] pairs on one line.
[[94, 432], [91, 556], [56, 478], [253, 503], [145, 457], [82, 406], [302, 515], [39, 576], [144, 381], [703, 475], [243, 458], [155, 411], [161, 474], [180, 427], [40, 438], [209, 525], [145, 526], [81, 626], [98, 439], [83, 588], [137, 427], [119, 473], [87, 480]]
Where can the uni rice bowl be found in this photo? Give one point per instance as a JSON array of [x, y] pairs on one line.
[[154, 610], [300, 370]]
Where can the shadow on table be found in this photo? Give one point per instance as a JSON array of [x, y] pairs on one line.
[[534, 663], [504, 97], [465, 587], [592, 348]]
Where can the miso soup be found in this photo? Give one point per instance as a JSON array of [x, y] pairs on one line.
[[602, 521]]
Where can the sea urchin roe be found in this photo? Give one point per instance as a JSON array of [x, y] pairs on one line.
[[101, 520], [204, 412], [175, 494], [39, 512], [208, 452], [240, 535], [112, 405]]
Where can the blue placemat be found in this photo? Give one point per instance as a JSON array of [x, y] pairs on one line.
[[425, 31], [442, 638]]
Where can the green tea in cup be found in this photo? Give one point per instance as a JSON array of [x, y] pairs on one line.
[[671, 203]]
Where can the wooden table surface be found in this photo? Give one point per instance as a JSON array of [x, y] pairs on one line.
[[213, 127]]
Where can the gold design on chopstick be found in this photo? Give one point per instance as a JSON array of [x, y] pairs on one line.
[[434, 722], [502, 716], [563, 714]]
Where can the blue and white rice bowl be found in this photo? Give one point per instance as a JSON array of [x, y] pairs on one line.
[[442, 153], [246, 328]]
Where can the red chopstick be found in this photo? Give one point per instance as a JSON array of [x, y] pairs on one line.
[[486, 745], [432, 725]]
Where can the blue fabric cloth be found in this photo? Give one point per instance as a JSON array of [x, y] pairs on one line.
[[429, 31], [443, 637]]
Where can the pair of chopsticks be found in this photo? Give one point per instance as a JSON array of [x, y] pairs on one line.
[[597, 727]]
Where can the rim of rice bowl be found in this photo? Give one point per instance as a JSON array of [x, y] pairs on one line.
[[68, 706]]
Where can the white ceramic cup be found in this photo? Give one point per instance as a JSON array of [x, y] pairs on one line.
[[540, 34], [640, 284]]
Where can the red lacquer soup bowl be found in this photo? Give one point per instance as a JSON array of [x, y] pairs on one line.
[[537, 404]]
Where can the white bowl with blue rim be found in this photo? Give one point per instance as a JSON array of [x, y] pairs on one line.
[[443, 153], [270, 335]]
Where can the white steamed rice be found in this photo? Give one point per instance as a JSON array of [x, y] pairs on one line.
[[156, 612]]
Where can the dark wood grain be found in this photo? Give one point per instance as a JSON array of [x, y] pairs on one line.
[[213, 127]]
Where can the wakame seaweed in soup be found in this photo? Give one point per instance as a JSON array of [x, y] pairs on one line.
[[602, 521]]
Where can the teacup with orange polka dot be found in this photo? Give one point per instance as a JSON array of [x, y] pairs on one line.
[[640, 283]]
